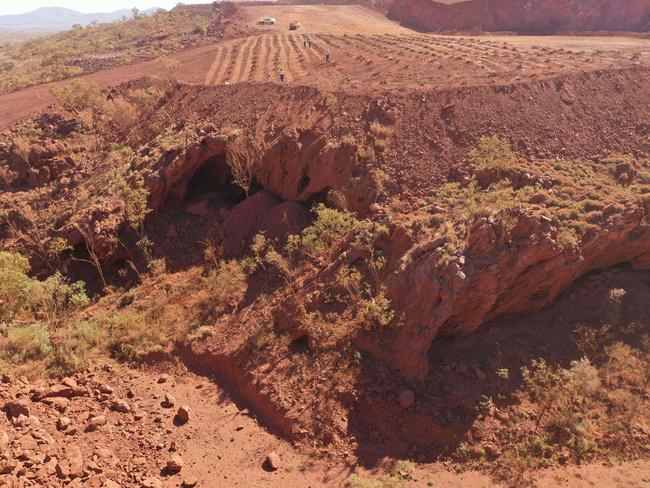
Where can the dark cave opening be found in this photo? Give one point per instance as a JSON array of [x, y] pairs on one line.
[[210, 177]]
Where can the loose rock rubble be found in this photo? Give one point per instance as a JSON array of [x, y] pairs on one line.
[[79, 431]]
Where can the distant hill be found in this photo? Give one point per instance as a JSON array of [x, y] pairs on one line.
[[53, 19]]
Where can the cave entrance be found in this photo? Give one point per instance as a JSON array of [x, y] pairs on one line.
[[211, 177]]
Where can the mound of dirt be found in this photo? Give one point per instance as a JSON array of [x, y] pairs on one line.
[[524, 16], [359, 146]]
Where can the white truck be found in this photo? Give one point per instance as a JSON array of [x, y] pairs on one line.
[[267, 20]]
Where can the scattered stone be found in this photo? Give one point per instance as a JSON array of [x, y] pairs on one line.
[[61, 391], [190, 482], [163, 379], [272, 461], [63, 423], [121, 406], [16, 408], [102, 452], [95, 422], [106, 389], [69, 382], [151, 483], [75, 461], [183, 414], [406, 399], [169, 401], [59, 403], [23, 421], [62, 469], [175, 464], [8, 466]]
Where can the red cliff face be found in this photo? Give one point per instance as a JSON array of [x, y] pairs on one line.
[[524, 16]]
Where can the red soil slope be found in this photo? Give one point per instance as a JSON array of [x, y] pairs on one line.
[[525, 16]]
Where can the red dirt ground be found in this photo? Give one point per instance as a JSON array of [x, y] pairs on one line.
[[591, 91], [222, 442], [369, 55]]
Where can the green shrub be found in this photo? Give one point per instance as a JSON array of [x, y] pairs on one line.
[[398, 472], [131, 189], [79, 95], [229, 281], [27, 343], [561, 396], [330, 226], [55, 297], [15, 285], [70, 354], [493, 152], [378, 310], [131, 336]]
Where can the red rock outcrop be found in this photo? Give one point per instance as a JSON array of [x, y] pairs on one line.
[[524, 16], [500, 273]]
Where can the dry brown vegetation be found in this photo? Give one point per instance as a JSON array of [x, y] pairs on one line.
[[96, 47]]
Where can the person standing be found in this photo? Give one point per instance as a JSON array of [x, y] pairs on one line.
[[282, 76], [328, 56]]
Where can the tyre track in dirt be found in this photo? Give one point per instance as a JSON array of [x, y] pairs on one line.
[[243, 62], [299, 55], [267, 61], [216, 64], [285, 58], [275, 51], [308, 53], [232, 62], [222, 65], [255, 53]]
